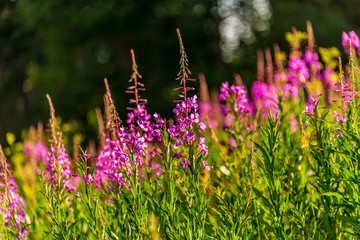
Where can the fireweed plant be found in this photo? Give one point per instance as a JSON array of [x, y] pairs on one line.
[[279, 160]]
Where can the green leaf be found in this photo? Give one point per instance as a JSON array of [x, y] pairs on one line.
[[333, 194]]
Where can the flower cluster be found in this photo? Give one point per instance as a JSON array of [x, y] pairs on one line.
[[119, 158], [298, 70], [265, 97], [124, 151], [59, 167], [183, 133], [39, 151], [13, 212], [10, 202], [139, 120], [236, 95], [354, 39], [57, 158]]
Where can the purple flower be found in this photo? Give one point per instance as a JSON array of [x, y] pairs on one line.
[[298, 71], [158, 170], [177, 143], [118, 158], [59, 167], [14, 214], [207, 168], [36, 151], [310, 105], [22, 235], [224, 91], [202, 126], [185, 164], [306, 124], [189, 136], [236, 96], [177, 155], [202, 146], [311, 57], [290, 90], [88, 179], [265, 97], [329, 77], [345, 41], [353, 37]]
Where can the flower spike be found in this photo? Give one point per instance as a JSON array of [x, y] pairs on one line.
[[138, 86], [184, 72], [113, 120]]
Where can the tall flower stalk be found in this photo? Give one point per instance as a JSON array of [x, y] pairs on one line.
[[11, 210]]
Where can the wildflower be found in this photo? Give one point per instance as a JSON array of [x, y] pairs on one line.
[[290, 89], [207, 168], [88, 179], [353, 37], [39, 151], [58, 160], [158, 170], [306, 124], [311, 57], [22, 235], [185, 164], [232, 142], [202, 146], [311, 104], [265, 97], [237, 97], [329, 77], [298, 71], [202, 126], [14, 214], [177, 155], [224, 91]]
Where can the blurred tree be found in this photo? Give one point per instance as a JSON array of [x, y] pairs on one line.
[[66, 48]]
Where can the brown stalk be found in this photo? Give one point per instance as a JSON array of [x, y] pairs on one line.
[[183, 67], [278, 62], [296, 41], [260, 66], [311, 38], [269, 66]]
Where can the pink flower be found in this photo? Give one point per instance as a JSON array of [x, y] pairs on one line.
[[207, 168], [88, 179], [298, 71], [185, 164], [202, 146], [202, 126], [158, 170], [77, 195], [22, 235]]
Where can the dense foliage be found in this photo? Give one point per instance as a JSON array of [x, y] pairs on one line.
[[278, 162]]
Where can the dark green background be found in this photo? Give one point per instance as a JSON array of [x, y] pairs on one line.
[[66, 48]]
